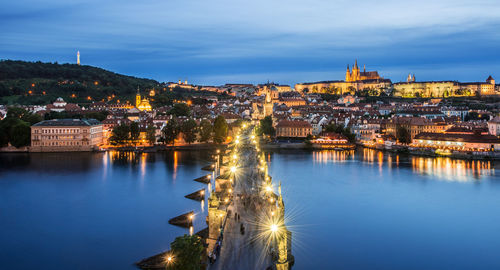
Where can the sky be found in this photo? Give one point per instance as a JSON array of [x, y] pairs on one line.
[[254, 41]]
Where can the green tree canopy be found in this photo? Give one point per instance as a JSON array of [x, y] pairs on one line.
[[206, 130], [403, 135], [220, 129], [170, 131], [266, 126], [188, 253], [151, 134], [134, 131], [120, 134], [180, 109], [190, 130], [20, 134]]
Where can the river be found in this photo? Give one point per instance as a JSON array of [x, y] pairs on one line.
[[347, 210]]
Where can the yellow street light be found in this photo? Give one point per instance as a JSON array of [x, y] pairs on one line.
[[269, 188], [233, 169], [274, 228]]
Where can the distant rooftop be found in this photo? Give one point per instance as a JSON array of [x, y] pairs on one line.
[[67, 122]]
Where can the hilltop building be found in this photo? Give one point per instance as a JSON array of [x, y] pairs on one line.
[[412, 88], [355, 80]]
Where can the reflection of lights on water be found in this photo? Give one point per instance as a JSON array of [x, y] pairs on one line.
[[191, 230], [176, 160], [449, 169], [331, 155], [203, 206]]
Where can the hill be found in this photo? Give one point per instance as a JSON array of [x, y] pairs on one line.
[[24, 82]]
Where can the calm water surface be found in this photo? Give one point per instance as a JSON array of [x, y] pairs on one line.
[[347, 210]]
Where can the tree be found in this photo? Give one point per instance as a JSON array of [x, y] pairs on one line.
[[134, 131], [220, 129], [6, 130], [403, 135], [189, 129], [188, 252], [20, 134], [180, 109], [266, 126], [151, 134], [205, 130], [170, 131], [120, 134]]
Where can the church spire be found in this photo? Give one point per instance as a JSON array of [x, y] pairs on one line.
[[356, 64]]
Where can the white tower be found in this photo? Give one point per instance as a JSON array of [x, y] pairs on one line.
[[78, 58]]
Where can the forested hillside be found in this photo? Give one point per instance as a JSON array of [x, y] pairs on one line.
[[37, 83]]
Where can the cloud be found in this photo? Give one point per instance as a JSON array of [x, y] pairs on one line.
[[227, 38]]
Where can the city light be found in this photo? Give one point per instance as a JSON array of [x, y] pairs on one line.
[[233, 169]]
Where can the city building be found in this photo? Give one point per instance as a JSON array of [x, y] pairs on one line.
[[494, 126], [142, 104], [293, 129], [457, 142], [61, 135]]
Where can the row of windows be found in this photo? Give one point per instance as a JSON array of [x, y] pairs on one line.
[[58, 131], [71, 143]]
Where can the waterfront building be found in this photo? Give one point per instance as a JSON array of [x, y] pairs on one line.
[[416, 125], [331, 140], [293, 129], [60, 135], [457, 141]]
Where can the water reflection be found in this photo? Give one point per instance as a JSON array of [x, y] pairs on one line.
[[452, 169], [440, 168], [332, 156]]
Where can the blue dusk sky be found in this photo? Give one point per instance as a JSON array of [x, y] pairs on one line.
[[285, 41]]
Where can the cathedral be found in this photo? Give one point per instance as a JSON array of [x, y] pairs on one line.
[[357, 75]]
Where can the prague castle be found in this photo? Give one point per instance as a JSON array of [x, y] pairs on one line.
[[355, 75], [355, 80], [412, 88]]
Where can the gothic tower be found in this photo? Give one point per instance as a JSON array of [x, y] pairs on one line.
[[355, 71], [348, 74], [268, 104]]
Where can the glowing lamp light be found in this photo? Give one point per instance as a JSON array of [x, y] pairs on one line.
[[269, 189], [191, 217], [233, 169], [170, 259], [274, 228], [235, 156], [237, 141], [253, 136], [244, 125]]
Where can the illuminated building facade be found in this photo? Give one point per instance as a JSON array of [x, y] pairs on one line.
[[61, 135], [142, 103]]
